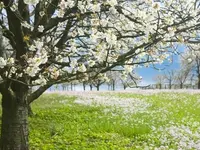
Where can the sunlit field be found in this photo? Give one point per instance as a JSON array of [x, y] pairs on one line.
[[139, 120]]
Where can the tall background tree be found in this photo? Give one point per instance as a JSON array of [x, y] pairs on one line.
[[191, 59], [56, 41], [113, 79], [183, 76], [160, 80], [169, 77]]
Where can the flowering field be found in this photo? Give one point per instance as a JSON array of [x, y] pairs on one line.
[[139, 120]]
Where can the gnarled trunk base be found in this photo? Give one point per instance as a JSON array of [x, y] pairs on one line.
[[14, 128]]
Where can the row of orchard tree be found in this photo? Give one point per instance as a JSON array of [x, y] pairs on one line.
[[113, 80]]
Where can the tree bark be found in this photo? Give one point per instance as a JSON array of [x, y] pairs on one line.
[[170, 85], [14, 128], [84, 86], [113, 85], [98, 87], [181, 85], [30, 111], [90, 87], [198, 81], [71, 86], [124, 87]]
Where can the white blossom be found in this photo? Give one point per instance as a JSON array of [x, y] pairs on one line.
[[32, 70], [112, 2], [10, 61], [2, 62], [82, 68], [40, 28], [31, 2], [91, 63], [42, 13], [41, 81]]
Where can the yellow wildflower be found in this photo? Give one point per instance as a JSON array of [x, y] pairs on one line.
[[26, 38]]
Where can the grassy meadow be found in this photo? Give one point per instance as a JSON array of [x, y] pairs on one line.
[[116, 121]]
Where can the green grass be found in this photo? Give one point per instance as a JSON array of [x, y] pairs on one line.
[[60, 124]]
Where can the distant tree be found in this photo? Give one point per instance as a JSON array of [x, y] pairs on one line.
[[114, 78], [56, 87], [91, 86], [101, 79], [64, 86], [182, 75], [169, 77], [71, 86], [98, 83], [191, 59], [84, 85], [193, 80], [160, 80]]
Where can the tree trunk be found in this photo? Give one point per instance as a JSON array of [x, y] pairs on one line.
[[84, 86], [90, 87], [170, 85], [98, 87], [30, 112], [113, 85], [71, 86], [160, 86], [14, 128], [181, 85], [124, 87], [74, 85], [198, 82]]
